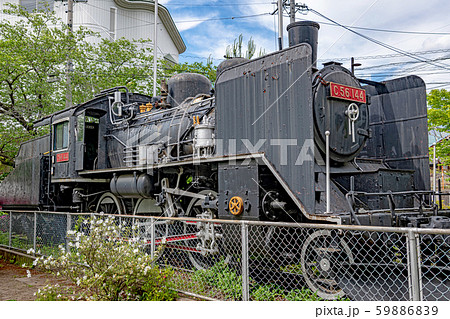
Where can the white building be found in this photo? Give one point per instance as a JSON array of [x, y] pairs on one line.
[[114, 19]]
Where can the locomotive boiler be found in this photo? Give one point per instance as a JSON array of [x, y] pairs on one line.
[[278, 139]]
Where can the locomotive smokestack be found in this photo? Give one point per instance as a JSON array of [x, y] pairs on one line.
[[305, 32]]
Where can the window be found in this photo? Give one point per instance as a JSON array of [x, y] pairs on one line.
[[61, 136], [112, 23], [80, 127], [31, 5]]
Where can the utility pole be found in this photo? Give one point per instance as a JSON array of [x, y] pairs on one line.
[[353, 65], [155, 48], [69, 59], [292, 11], [280, 24]]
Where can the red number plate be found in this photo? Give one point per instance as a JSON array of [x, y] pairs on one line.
[[349, 93], [62, 157]]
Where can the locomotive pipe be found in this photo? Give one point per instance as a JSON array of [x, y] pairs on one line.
[[327, 163], [155, 47], [434, 170]]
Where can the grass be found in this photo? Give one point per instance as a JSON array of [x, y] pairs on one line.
[[222, 282]]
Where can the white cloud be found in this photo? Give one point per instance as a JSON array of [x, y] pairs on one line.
[[188, 21], [212, 37]]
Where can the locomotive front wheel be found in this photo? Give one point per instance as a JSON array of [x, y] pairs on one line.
[[322, 255], [110, 204]]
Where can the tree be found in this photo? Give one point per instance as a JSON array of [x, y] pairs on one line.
[[208, 69], [439, 121], [31, 53], [109, 64], [235, 50], [33, 57]]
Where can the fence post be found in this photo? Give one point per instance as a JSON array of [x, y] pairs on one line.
[[152, 237], [245, 275], [10, 230], [34, 232], [68, 228], [414, 266]]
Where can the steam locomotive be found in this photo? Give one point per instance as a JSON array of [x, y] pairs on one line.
[[276, 140]]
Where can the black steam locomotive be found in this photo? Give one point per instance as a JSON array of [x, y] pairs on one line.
[[277, 140]]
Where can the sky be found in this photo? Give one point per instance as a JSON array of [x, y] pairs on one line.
[[421, 32]]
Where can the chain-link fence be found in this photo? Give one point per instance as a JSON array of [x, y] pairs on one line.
[[244, 260]]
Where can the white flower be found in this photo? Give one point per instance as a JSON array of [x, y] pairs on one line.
[[35, 262], [30, 251], [28, 274], [58, 296], [24, 265], [78, 281]]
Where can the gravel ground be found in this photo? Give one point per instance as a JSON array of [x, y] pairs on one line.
[[16, 285]]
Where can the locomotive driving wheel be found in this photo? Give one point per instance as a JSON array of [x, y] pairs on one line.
[[321, 258], [110, 204], [206, 249]]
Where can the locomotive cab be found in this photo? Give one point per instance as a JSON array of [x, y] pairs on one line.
[[86, 145]]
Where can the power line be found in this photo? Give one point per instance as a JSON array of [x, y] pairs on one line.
[[378, 30], [387, 46], [400, 63], [227, 18], [215, 5], [187, 21], [388, 56]]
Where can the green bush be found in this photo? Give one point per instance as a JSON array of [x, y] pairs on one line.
[[104, 262], [223, 282], [302, 295], [220, 278], [266, 293]]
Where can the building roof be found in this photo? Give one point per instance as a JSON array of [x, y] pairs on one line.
[[163, 14]]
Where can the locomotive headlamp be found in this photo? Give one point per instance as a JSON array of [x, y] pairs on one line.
[[236, 205]]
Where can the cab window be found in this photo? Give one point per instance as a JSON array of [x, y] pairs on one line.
[[61, 136]]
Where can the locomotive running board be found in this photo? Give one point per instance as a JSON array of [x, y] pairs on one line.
[[197, 161]]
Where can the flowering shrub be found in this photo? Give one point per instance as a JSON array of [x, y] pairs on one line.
[[54, 292], [106, 263]]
